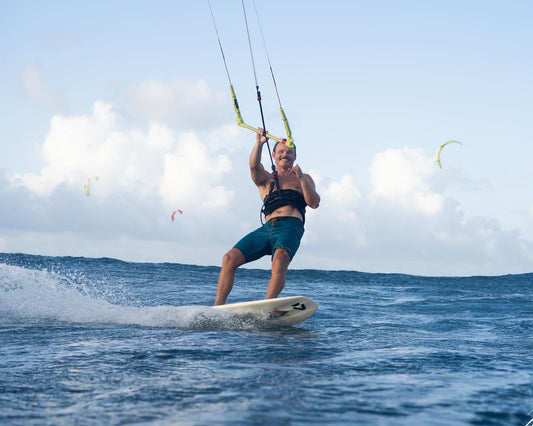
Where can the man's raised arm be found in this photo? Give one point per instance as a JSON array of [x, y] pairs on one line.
[[259, 175]]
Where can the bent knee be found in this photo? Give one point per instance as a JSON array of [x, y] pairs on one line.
[[232, 259]]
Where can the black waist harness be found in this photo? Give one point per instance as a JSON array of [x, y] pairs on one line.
[[284, 197]]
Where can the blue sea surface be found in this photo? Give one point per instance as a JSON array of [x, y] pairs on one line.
[[102, 341]]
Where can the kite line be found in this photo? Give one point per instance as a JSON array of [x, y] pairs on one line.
[[288, 141]]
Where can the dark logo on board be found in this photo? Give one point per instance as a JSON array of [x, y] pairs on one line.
[[295, 306], [299, 306]]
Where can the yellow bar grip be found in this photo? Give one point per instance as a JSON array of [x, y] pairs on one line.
[[290, 140], [241, 122]]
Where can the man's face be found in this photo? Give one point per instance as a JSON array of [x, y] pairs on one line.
[[284, 156]]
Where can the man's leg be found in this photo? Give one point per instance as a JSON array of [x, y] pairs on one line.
[[280, 264], [230, 262]]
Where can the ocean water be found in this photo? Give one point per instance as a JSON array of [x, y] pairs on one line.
[[101, 341]]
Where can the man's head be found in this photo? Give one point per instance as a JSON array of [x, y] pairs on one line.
[[283, 155], [283, 145]]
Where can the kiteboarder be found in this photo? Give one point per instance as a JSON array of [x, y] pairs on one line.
[[285, 192]]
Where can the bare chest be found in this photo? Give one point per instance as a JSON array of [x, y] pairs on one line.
[[288, 181]]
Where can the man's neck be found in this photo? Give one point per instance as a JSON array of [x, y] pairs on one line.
[[284, 170]]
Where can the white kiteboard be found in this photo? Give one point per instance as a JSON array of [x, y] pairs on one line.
[[280, 311]]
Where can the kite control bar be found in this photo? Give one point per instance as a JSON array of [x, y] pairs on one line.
[[288, 141]]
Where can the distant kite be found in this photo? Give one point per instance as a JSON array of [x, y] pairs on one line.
[[86, 184], [440, 149], [174, 214]]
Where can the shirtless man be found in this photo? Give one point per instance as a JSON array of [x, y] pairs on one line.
[[284, 209]]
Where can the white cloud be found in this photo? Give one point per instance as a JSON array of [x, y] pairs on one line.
[[337, 220], [187, 103], [190, 174], [400, 222], [403, 176], [146, 169], [180, 169], [344, 192], [80, 146]]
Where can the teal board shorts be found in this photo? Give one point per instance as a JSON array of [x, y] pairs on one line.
[[280, 232]]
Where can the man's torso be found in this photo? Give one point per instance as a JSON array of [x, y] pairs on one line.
[[286, 181]]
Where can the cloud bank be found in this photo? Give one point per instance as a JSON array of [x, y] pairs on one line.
[[167, 158]]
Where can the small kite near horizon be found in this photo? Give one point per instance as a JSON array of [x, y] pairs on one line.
[[440, 149], [174, 214], [86, 184]]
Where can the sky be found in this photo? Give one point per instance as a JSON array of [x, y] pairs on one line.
[[136, 93]]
